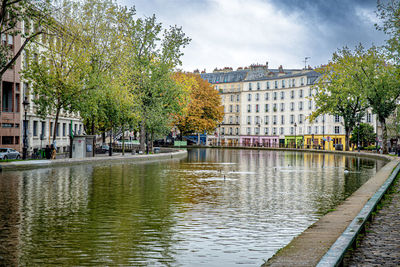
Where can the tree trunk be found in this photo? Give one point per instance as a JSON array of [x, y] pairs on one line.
[[142, 136], [55, 125], [147, 143], [110, 147], [347, 140], [384, 135], [151, 141], [92, 126], [123, 140], [198, 139]]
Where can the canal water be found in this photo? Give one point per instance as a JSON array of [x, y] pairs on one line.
[[215, 208]]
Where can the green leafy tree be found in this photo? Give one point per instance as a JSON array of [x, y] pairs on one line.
[[389, 14], [338, 92], [34, 14], [364, 133], [379, 81], [56, 69], [99, 22], [151, 54]]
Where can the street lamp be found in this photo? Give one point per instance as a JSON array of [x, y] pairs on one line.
[[323, 132], [358, 137], [25, 103], [295, 143]]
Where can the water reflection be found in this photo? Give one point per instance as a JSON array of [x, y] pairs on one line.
[[217, 208]]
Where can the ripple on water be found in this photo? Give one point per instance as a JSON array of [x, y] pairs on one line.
[[226, 208]]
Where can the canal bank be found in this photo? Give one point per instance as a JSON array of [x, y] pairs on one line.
[[127, 158], [328, 238]]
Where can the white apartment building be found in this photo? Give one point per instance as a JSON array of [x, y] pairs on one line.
[[274, 108]]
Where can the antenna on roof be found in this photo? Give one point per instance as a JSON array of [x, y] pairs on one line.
[[305, 62]]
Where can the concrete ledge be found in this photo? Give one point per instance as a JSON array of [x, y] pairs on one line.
[[335, 254], [34, 164], [308, 248]]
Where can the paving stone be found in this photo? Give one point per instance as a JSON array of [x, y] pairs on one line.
[[381, 244]]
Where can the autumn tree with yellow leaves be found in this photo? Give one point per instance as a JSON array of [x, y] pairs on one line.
[[201, 109]]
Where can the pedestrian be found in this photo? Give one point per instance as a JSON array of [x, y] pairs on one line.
[[47, 152], [53, 152]]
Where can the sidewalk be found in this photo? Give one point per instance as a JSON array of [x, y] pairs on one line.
[[381, 244], [117, 157], [308, 248]]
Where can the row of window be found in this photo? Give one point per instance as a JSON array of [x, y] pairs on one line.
[[76, 128], [232, 98], [274, 107], [274, 95], [232, 120], [281, 130], [275, 84], [229, 131], [274, 119]]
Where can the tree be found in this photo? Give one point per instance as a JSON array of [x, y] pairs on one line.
[[338, 92], [389, 13], [364, 133], [12, 14], [151, 54], [379, 81], [56, 73], [99, 22], [202, 111]]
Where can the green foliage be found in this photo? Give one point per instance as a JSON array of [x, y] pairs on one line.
[[338, 92], [379, 81], [389, 14], [371, 147], [364, 133], [106, 103], [151, 54], [12, 13], [57, 73]]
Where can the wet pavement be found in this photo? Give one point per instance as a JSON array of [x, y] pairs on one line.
[[380, 246]]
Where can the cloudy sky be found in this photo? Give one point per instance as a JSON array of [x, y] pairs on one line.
[[234, 33]]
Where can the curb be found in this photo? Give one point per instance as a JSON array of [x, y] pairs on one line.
[[35, 164], [335, 254]]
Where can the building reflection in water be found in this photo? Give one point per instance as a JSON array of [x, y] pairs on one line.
[[217, 207]]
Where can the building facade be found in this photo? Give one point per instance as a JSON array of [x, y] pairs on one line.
[[274, 108], [10, 116]]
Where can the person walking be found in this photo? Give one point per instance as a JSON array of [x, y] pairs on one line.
[[53, 152], [47, 152]]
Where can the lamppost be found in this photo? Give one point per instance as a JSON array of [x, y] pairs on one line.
[[295, 141], [358, 136], [323, 132], [25, 103], [219, 135]]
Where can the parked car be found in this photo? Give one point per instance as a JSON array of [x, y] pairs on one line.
[[102, 149], [9, 153]]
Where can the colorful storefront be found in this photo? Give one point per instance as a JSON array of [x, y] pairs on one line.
[[290, 141], [331, 142], [224, 140], [259, 141]]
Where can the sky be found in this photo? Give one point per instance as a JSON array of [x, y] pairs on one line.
[[238, 33]]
